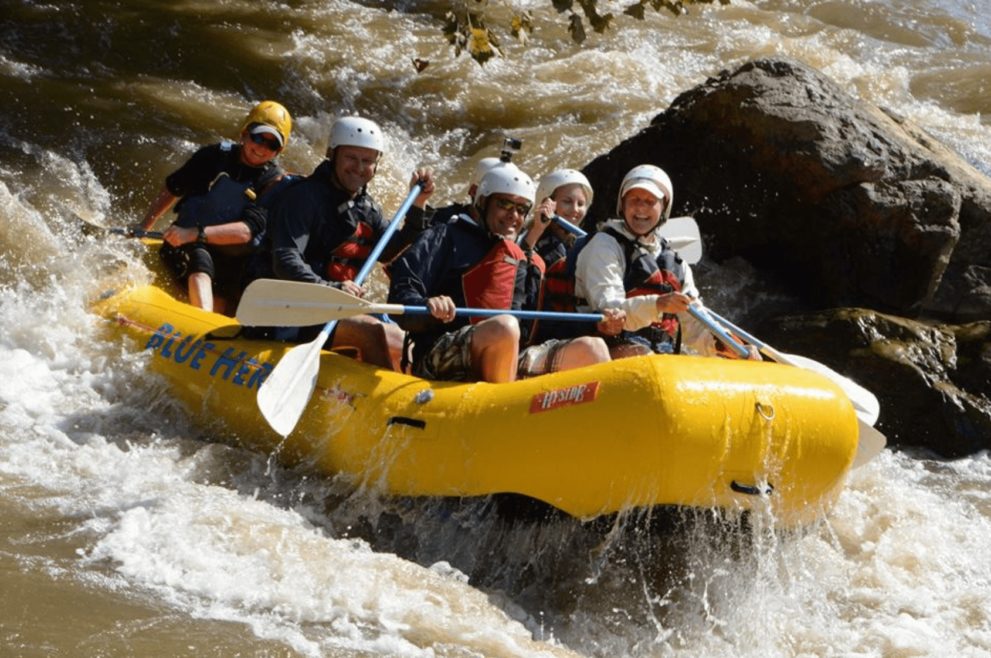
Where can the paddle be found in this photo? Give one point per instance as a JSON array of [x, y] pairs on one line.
[[870, 442], [702, 314], [89, 228], [866, 403], [271, 302], [286, 391]]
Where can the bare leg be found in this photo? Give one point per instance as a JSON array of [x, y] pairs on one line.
[[200, 290], [495, 346], [394, 338], [584, 351], [369, 336]]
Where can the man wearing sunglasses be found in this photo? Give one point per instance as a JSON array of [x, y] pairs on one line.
[[473, 261], [220, 216]]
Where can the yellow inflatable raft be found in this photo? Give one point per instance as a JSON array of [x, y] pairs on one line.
[[658, 430]]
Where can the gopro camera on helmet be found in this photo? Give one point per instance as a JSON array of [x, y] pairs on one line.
[[510, 146]]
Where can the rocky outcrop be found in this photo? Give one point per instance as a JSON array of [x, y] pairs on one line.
[[856, 207], [840, 204]]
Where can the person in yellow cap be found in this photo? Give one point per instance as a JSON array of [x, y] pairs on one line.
[[218, 196]]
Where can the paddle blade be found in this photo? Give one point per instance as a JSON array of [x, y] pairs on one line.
[[683, 234], [870, 443], [286, 391], [278, 303]]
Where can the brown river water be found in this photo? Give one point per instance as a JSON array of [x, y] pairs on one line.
[[126, 531]]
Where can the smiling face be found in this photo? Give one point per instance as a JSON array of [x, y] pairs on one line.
[[354, 166], [641, 211], [256, 152], [505, 213], [571, 202]]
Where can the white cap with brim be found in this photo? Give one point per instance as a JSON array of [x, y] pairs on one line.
[[261, 128], [643, 184]]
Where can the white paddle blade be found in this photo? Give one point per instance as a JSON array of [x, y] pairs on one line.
[[277, 303], [286, 391], [870, 443], [865, 403], [683, 234]]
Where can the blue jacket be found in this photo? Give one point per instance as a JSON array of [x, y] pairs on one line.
[[435, 265], [310, 219]]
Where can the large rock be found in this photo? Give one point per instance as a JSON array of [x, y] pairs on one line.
[[849, 204]]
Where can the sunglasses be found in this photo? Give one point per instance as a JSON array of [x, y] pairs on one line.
[[522, 209], [261, 140]]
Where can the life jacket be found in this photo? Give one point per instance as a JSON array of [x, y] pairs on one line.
[[491, 283], [647, 275], [348, 257], [224, 202], [557, 292]]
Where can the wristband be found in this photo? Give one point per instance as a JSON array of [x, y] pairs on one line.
[[201, 236]]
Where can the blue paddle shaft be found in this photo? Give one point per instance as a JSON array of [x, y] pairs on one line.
[[568, 226], [703, 316], [750, 338], [523, 315]]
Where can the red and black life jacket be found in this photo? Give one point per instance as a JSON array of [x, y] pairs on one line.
[[649, 275], [557, 291], [348, 257], [491, 283]]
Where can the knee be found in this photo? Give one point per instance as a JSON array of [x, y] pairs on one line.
[[364, 321], [591, 349], [501, 329], [507, 327]]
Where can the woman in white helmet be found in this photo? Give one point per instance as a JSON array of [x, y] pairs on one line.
[[627, 265], [566, 193], [322, 229]]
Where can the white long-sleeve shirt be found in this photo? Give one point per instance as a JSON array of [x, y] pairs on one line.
[[599, 273]]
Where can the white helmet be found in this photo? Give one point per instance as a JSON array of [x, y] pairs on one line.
[[650, 178], [550, 182], [481, 169], [507, 179], [357, 131]]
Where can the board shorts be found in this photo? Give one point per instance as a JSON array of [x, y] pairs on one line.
[[540, 359], [450, 358]]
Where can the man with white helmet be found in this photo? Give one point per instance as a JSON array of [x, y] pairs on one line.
[[217, 195], [323, 229], [474, 261], [627, 265], [447, 213]]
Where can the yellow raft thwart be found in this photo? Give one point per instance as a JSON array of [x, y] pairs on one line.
[[639, 432]]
